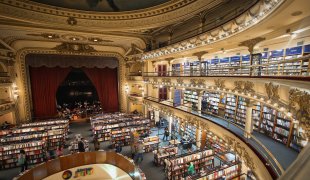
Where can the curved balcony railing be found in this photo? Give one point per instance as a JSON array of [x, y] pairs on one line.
[[220, 20], [298, 67], [80, 159], [272, 164]]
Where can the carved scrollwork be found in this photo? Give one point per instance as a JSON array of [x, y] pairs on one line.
[[180, 80], [299, 104], [166, 80], [75, 47], [272, 91], [244, 86], [219, 83]]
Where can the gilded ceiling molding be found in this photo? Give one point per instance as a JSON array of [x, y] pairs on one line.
[[272, 91], [164, 14], [243, 22], [75, 47], [46, 35], [27, 101], [251, 43]]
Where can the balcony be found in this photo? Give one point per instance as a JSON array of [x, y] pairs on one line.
[[134, 76], [276, 156], [296, 69]]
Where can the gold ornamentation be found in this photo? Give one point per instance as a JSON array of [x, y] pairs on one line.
[[46, 35], [166, 80], [71, 21], [251, 43], [219, 83], [272, 91], [299, 104], [74, 47], [244, 86], [180, 80], [24, 107]]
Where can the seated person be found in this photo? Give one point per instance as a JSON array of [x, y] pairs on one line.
[[6, 125], [185, 139]]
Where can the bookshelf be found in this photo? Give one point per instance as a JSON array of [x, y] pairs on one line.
[[256, 116], [163, 153], [192, 98], [210, 102], [241, 111], [9, 153], [268, 118], [299, 138], [282, 128], [177, 166], [230, 108], [188, 129], [116, 127], [150, 143], [235, 63]]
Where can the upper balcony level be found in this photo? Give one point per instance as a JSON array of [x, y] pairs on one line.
[[289, 63]]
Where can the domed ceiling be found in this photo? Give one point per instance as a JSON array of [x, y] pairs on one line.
[[103, 5]]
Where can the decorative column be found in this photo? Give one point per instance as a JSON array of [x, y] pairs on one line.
[[170, 119], [249, 120], [250, 44], [199, 101], [199, 57], [170, 31], [156, 116], [169, 68]]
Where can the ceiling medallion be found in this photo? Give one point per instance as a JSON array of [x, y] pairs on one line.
[[73, 37], [74, 47]]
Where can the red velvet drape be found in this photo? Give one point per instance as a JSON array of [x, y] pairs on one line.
[[105, 81], [44, 84]]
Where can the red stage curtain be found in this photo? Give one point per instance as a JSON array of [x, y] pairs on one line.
[[105, 81], [44, 84]]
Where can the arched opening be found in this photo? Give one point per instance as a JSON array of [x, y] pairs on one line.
[[77, 96]]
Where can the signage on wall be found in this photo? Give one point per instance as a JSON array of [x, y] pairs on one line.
[[293, 51], [277, 53], [307, 48], [177, 97], [81, 172]]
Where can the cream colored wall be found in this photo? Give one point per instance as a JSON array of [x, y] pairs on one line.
[[9, 117], [137, 107]]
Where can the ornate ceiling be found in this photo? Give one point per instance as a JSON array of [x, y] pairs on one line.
[[103, 5]]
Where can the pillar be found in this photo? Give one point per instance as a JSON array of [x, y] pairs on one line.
[[170, 119], [250, 44], [199, 101], [198, 138], [156, 114], [249, 120], [199, 56], [145, 110], [170, 94]]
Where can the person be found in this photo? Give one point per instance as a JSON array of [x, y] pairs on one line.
[[140, 151], [22, 160], [133, 149], [118, 147], [81, 145], [96, 143], [190, 169], [59, 151], [166, 134]]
